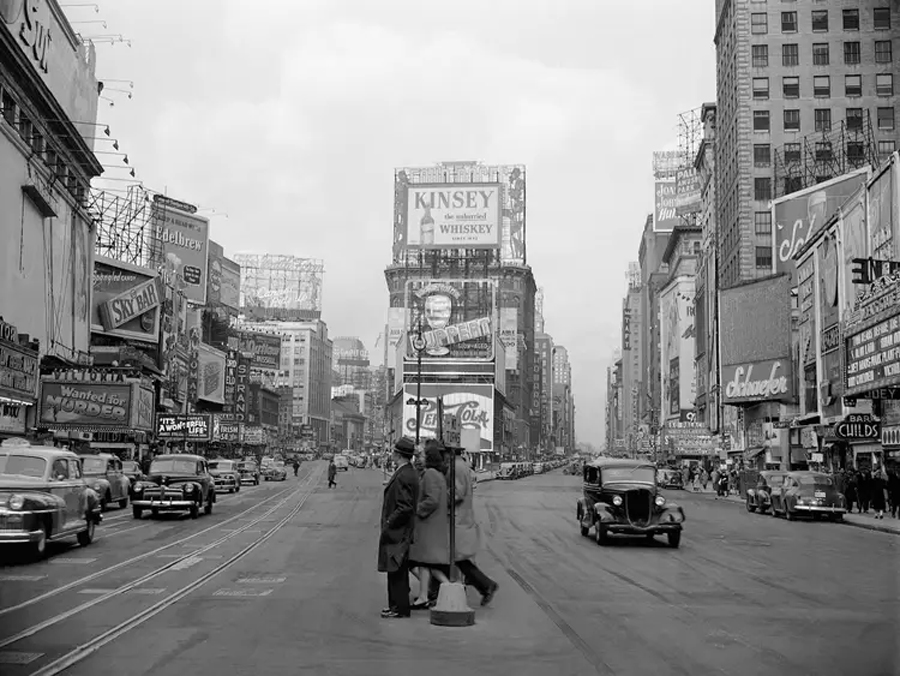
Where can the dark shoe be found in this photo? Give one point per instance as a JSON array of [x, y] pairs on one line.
[[392, 615], [421, 606], [487, 598], [387, 611]]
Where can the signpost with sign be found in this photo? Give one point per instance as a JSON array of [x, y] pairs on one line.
[[858, 427]]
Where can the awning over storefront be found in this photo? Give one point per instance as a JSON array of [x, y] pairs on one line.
[[755, 452]]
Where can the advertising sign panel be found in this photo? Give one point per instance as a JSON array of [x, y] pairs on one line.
[[768, 380], [230, 284], [241, 388], [214, 278], [881, 214], [456, 318], [755, 321], [231, 362], [191, 427], [125, 301], [509, 336], [265, 349], [92, 406], [18, 367], [453, 215], [473, 405], [873, 356], [687, 191], [626, 329], [182, 239], [12, 418], [800, 215], [665, 213], [211, 375], [396, 329], [193, 385], [254, 436], [854, 236], [142, 408], [226, 430], [676, 308]]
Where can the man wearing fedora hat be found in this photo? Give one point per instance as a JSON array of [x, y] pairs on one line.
[[401, 495]]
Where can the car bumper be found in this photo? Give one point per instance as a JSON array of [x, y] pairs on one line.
[[631, 529], [819, 509], [19, 537], [225, 483], [163, 504]]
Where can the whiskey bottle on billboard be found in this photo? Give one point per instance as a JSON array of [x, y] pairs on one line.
[[426, 228]]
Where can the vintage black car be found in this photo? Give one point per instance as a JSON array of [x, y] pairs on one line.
[[758, 497], [226, 475], [622, 497], [811, 494], [249, 471], [667, 477], [176, 483]]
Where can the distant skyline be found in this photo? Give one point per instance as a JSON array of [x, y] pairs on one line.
[[290, 117]]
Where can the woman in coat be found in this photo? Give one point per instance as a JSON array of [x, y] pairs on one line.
[[878, 486], [430, 551]]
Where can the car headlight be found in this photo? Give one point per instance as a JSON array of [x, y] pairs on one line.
[[617, 500], [98, 487], [660, 501], [188, 488], [138, 487], [16, 501]]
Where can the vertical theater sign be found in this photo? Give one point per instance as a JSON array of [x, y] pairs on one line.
[[18, 379]]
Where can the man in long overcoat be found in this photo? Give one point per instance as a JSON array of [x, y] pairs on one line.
[[401, 495]]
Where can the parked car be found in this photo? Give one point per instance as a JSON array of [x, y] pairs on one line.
[[225, 475], [811, 494], [249, 472], [669, 478], [44, 497], [759, 497], [178, 482], [622, 497], [132, 469], [106, 476]]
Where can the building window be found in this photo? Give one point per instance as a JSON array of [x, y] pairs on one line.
[[853, 85], [882, 18], [822, 86], [790, 87], [854, 118], [790, 55], [792, 119], [762, 222], [760, 88], [820, 20], [789, 22], [761, 120], [886, 119], [823, 151], [852, 53], [821, 55], [759, 23], [764, 257], [883, 51], [886, 147], [884, 84], [792, 184], [762, 155], [9, 108], [760, 56], [791, 154], [851, 19], [762, 189], [823, 119]]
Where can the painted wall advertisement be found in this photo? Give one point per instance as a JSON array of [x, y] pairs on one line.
[[126, 301], [800, 215], [211, 375], [182, 239], [455, 317], [264, 348], [665, 213], [472, 404], [94, 406], [453, 215]]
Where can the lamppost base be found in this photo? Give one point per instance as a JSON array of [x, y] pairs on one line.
[[452, 607]]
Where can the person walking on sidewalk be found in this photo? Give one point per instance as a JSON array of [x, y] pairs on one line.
[[879, 485], [429, 554], [332, 473], [894, 492], [401, 495]]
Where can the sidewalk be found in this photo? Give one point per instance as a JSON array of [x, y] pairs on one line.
[[867, 521]]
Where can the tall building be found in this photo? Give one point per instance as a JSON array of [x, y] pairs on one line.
[[632, 361], [805, 92], [563, 401], [351, 363], [543, 385]]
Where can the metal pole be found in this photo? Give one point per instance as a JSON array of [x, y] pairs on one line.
[[419, 383]]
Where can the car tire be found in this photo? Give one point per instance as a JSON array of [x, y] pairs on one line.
[[39, 548], [86, 536], [154, 513], [674, 539], [123, 503], [837, 518], [207, 509], [601, 536], [136, 512], [789, 515], [195, 510]]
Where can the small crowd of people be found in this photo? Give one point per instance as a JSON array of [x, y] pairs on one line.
[[697, 478], [877, 489], [415, 527]]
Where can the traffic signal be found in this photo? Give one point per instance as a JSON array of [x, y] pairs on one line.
[[861, 271]]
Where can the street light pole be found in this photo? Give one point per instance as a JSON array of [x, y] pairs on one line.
[[418, 344]]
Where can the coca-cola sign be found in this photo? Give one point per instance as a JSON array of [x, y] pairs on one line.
[[473, 405], [768, 380]]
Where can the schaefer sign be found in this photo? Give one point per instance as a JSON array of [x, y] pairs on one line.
[[453, 215], [473, 405], [182, 238], [193, 427], [125, 301], [95, 406], [455, 318], [768, 380]]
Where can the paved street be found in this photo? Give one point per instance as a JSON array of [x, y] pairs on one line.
[[745, 594]]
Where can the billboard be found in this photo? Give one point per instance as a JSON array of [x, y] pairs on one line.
[[230, 284], [264, 348], [182, 238], [456, 318], [125, 301], [396, 328], [687, 191], [755, 321], [472, 404], [286, 287], [509, 336], [881, 212], [665, 214], [766, 380], [676, 340], [190, 427], [854, 235], [453, 215], [94, 406], [799, 216], [211, 380]]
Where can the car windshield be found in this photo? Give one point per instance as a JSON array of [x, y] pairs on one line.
[[22, 466], [221, 464], [173, 466], [774, 479], [815, 480], [93, 465], [130, 466], [644, 475]]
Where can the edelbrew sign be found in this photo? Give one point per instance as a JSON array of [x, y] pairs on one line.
[[858, 426], [768, 380]]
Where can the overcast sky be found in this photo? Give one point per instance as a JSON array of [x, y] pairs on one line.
[[289, 116]]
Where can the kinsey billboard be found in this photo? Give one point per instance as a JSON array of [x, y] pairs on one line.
[[453, 215], [455, 318], [666, 213], [211, 380], [126, 301], [800, 215], [190, 427], [472, 404], [768, 380], [93, 406], [182, 238]]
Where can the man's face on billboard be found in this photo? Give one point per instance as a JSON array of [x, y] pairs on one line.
[[438, 308]]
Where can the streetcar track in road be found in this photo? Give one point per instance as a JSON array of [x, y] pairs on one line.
[[139, 557], [93, 645], [307, 489]]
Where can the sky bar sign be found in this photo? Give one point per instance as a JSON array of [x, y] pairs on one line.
[[453, 216]]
